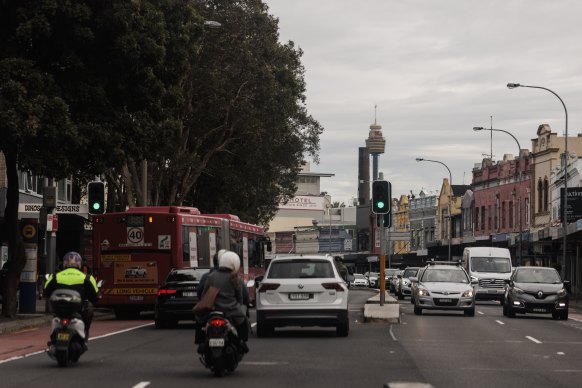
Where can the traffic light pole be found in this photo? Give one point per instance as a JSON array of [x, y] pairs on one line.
[[382, 275]]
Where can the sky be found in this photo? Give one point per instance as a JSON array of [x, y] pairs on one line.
[[434, 69]]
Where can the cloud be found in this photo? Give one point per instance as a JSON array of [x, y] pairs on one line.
[[435, 69]]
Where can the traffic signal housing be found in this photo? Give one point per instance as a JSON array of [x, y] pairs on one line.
[[381, 196], [96, 197]]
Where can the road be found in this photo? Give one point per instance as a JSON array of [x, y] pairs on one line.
[[445, 350]]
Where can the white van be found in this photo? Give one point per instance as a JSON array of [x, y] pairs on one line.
[[490, 267]]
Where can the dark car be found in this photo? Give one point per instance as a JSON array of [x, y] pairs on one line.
[[536, 290], [177, 296]]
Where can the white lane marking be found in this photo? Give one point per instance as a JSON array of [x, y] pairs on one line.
[[20, 357], [533, 339], [501, 323], [561, 354], [392, 334], [120, 331], [142, 384], [480, 312]]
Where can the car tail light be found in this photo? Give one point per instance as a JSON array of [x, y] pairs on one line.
[[65, 322], [332, 286], [217, 322], [268, 287], [166, 292]]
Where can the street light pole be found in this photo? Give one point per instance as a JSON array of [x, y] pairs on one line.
[[450, 198], [519, 256], [566, 160]]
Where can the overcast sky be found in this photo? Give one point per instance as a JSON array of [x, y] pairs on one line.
[[435, 69]]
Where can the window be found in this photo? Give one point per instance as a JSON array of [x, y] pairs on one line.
[[482, 217], [503, 214], [489, 217], [540, 196], [511, 207], [527, 211], [496, 214], [546, 195], [476, 218]]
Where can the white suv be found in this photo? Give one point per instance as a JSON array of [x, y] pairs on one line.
[[302, 291]]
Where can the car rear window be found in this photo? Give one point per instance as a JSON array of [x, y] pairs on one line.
[[297, 269], [185, 275], [410, 272]]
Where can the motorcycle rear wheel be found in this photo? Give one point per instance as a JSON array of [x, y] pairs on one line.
[[62, 357]]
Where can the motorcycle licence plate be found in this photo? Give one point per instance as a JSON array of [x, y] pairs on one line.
[[63, 336], [216, 342]]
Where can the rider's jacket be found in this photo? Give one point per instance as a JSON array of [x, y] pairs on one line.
[[73, 279]]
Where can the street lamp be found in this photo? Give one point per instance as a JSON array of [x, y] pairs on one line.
[[566, 159], [519, 183], [450, 197]]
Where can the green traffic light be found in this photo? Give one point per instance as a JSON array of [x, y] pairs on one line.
[[380, 205], [96, 206]]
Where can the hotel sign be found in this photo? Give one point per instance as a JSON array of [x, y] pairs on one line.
[[304, 202]]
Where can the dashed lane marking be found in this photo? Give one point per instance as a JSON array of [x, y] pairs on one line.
[[501, 323], [533, 339], [142, 384]]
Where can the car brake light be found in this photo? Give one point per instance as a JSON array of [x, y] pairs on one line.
[[268, 287], [332, 286], [65, 322], [166, 292], [217, 322]]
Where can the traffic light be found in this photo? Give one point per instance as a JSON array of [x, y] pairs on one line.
[[384, 220], [96, 196], [381, 193]]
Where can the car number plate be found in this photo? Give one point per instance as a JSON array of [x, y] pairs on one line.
[[64, 336], [492, 291], [136, 297], [539, 310], [188, 293], [216, 342], [299, 296], [445, 300]]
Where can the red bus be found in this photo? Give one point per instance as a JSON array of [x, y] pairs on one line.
[[133, 251]]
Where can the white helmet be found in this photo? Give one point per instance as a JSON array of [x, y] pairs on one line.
[[229, 260]]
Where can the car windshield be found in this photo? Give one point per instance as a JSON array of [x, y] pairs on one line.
[[391, 272], [297, 269], [537, 275], [185, 275], [410, 272], [359, 276], [491, 264], [444, 275]]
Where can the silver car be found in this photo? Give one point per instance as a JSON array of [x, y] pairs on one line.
[[403, 288], [444, 286], [302, 291]]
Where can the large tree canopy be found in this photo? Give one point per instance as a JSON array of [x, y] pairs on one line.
[[218, 116]]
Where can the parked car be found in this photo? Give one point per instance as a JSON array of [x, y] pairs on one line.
[[372, 278], [389, 275], [302, 291], [414, 285], [403, 284], [359, 280], [177, 296], [444, 286], [537, 290]]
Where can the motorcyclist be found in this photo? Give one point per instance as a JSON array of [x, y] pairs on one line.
[[230, 297], [71, 277]]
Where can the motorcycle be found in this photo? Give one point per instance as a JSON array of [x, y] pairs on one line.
[[67, 340], [222, 351]]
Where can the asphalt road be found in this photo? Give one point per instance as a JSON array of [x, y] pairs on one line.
[[443, 349], [490, 350]]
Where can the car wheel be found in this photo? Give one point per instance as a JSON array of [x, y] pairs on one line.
[[265, 330], [504, 310], [342, 329], [510, 311], [564, 315], [417, 310], [469, 313], [400, 296], [160, 323]]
